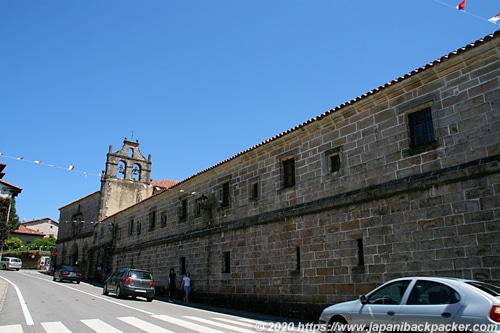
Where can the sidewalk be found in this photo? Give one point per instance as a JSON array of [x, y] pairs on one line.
[[234, 312]]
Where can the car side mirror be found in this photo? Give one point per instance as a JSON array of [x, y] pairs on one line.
[[363, 299]]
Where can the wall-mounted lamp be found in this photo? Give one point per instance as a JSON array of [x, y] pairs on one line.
[[111, 226], [203, 201]]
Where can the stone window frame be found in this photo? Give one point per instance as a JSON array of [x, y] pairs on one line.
[[131, 226], [254, 188], [182, 209], [282, 160], [226, 262], [404, 111], [224, 195], [138, 227], [163, 219], [182, 265], [327, 163], [152, 219]]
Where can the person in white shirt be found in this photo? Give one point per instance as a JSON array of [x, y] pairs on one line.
[[186, 284]]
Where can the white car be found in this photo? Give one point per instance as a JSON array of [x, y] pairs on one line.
[[11, 263], [419, 304]]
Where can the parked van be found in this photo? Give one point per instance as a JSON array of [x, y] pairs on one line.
[[11, 263]]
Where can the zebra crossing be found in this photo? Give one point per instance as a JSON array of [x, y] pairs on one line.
[[154, 324]]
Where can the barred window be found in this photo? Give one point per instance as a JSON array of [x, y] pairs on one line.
[[421, 128]]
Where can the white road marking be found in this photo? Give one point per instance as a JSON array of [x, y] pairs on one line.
[[144, 325], [186, 324], [55, 327], [12, 329], [99, 326], [24, 307], [229, 327]]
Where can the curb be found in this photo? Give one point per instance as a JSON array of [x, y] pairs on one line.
[[3, 293]]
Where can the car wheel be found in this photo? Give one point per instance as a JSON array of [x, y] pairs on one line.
[[105, 290], [149, 299], [77, 282], [337, 325], [4, 267], [118, 292], [53, 278], [17, 269]]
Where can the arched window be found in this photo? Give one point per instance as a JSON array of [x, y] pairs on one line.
[[136, 172], [122, 169]]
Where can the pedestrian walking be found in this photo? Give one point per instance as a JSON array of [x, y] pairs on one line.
[[186, 284], [171, 284]]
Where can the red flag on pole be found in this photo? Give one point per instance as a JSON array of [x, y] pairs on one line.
[[461, 5]]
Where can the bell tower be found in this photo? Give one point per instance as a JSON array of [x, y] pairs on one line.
[[126, 180]]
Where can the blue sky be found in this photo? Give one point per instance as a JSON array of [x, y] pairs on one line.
[[195, 81]]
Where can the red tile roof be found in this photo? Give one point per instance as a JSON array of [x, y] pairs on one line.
[[27, 231], [164, 183]]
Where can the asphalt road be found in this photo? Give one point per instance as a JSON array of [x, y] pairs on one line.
[[31, 302]]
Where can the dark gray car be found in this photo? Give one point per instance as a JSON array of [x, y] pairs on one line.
[[130, 282]]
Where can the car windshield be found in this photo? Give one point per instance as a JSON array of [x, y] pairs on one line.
[[141, 275], [70, 269], [488, 288]]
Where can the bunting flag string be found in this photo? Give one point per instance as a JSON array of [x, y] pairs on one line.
[[39, 162], [461, 7], [494, 19]]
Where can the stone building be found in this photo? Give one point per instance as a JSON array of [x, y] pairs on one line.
[[125, 182], [400, 181]]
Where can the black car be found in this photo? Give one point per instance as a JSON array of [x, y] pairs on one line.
[[68, 273], [130, 282]]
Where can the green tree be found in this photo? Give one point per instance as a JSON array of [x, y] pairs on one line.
[[13, 224], [13, 244], [44, 244]]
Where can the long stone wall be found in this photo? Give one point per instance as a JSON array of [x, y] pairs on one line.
[[389, 210]]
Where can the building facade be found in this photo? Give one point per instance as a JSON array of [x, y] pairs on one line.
[[27, 235], [47, 226], [403, 180], [125, 182]]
